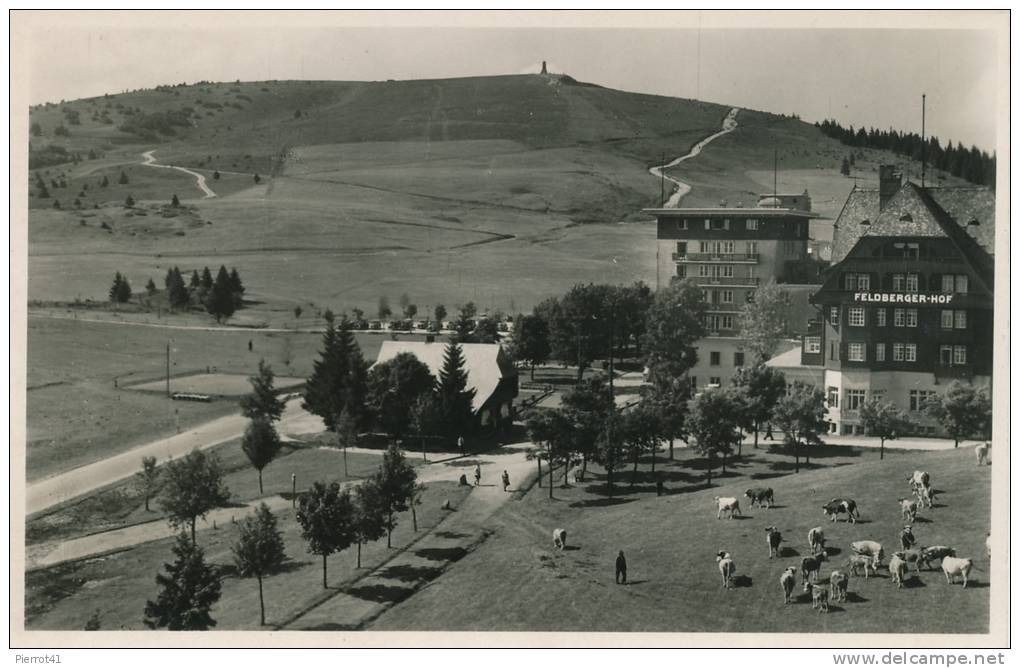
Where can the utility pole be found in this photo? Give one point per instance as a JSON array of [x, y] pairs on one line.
[[662, 181], [775, 178], [168, 369]]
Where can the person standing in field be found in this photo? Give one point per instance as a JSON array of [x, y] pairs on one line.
[[621, 568], [506, 480], [768, 433], [478, 475], [460, 444]]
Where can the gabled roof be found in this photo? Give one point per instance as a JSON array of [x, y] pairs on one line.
[[917, 212], [486, 363]]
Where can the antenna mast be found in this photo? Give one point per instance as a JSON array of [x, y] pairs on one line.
[[662, 182], [775, 179], [924, 147]]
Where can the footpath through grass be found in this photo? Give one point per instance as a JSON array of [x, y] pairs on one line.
[[516, 581]]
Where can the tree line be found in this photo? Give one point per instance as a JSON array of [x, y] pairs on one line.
[[970, 164], [220, 296]]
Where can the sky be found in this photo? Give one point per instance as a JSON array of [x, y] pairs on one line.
[[859, 76]]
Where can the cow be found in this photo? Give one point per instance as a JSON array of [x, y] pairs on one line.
[[773, 538], [930, 554], [809, 567], [869, 548], [820, 597], [908, 510], [838, 583], [982, 453], [953, 566], [898, 569], [727, 504], [726, 568], [912, 556], [919, 479], [857, 562], [760, 496], [833, 508], [788, 580], [925, 496], [560, 539], [816, 539]]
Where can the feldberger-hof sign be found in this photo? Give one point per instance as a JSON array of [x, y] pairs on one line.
[[902, 298]]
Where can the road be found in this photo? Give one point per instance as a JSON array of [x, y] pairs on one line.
[[485, 500], [729, 124], [72, 484], [149, 160]]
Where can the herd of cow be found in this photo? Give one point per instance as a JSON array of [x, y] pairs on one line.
[[866, 555]]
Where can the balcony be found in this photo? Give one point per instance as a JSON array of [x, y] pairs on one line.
[[727, 280], [738, 258]]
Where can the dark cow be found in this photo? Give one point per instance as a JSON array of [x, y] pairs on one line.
[[774, 538], [809, 567], [760, 496], [930, 554], [833, 509]]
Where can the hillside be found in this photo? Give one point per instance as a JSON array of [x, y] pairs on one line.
[[377, 188]]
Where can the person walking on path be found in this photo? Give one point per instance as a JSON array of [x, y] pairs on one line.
[[768, 433], [621, 568], [506, 480], [460, 445], [478, 475]]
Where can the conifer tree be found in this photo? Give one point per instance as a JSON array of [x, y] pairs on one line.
[[455, 399], [339, 376], [220, 300], [188, 590]]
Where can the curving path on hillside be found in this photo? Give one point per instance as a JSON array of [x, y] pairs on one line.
[[149, 160], [729, 124]]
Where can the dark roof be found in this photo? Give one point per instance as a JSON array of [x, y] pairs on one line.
[[913, 212]]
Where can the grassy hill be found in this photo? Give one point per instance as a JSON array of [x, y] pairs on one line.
[[451, 190], [516, 581]]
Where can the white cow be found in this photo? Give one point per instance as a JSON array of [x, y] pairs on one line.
[[869, 548], [560, 538], [820, 597], [925, 496], [816, 539], [838, 583], [982, 453], [919, 479], [788, 580], [898, 569], [953, 567], [727, 504], [726, 568], [908, 509], [856, 562]]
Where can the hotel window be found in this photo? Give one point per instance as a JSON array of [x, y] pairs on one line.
[[911, 283], [879, 352], [727, 296], [899, 317], [813, 344], [877, 395], [954, 283], [706, 296], [681, 224], [945, 355], [833, 351], [713, 358], [681, 270], [856, 316], [880, 317], [717, 224], [947, 319], [911, 317], [834, 316], [727, 322], [918, 399], [727, 247], [738, 359], [708, 223], [704, 270], [911, 350], [715, 380], [681, 249], [857, 281], [832, 397], [898, 352], [752, 223], [898, 281], [960, 319], [712, 323], [855, 352], [854, 399], [752, 247], [727, 271], [959, 354]]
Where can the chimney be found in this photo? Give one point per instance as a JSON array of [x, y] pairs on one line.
[[888, 184]]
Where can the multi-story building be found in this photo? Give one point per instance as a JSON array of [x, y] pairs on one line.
[[908, 304], [729, 252]]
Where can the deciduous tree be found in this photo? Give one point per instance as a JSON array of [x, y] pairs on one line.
[[675, 323], [259, 551], [762, 386], [369, 514], [800, 414], [326, 515], [396, 480], [261, 444], [530, 341], [884, 420], [713, 426], [764, 321], [192, 486], [963, 410], [148, 479], [393, 387]]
